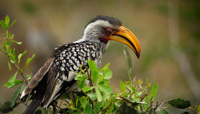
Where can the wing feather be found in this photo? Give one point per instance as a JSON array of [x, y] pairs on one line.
[[38, 77]]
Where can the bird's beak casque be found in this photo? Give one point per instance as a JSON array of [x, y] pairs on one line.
[[127, 37]]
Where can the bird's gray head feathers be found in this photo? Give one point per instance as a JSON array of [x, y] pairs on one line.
[[95, 28]]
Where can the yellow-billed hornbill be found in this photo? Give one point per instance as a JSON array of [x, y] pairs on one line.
[[57, 75]]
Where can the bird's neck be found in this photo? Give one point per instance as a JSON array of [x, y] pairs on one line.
[[103, 45]]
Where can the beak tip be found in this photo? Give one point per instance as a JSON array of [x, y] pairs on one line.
[[138, 55]]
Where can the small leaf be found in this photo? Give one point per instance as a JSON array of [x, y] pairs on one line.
[[9, 84], [106, 66], [99, 96], [81, 82], [12, 79], [128, 61], [106, 89], [95, 73], [19, 58], [92, 96], [91, 64], [16, 94], [18, 82], [83, 101], [86, 89], [12, 82], [180, 103], [100, 79], [154, 91], [16, 42], [28, 61], [122, 86], [13, 23], [107, 73], [97, 107], [88, 109], [29, 76], [7, 20], [24, 52], [9, 66], [3, 25], [106, 104], [12, 58]]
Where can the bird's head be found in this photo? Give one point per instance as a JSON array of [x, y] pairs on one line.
[[104, 28]]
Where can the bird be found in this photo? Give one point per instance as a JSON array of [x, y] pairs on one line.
[[57, 75]]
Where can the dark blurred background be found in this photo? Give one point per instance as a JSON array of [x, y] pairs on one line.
[[168, 31]]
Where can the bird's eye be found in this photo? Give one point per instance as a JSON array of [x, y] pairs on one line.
[[108, 31]]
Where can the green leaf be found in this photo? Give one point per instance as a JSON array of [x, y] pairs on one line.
[[12, 82], [24, 52], [91, 64], [12, 23], [16, 94], [154, 91], [106, 66], [100, 79], [9, 84], [12, 79], [180, 103], [99, 96], [106, 104], [97, 107], [92, 96], [122, 86], [86, 89], [107, 73], [83, 101], [104, 88], [88, 109], [81, 82], [9, 66], [29, 76], [28, 61], [16, 42], [18, 82], [19, 58], [3, 25], [9, 35], [95, 74], [128, 61], [12, 58], [7, 20]]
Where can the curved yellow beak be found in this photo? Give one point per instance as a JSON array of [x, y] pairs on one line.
[[127, 37]]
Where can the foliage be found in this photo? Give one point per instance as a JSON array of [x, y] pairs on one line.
[[97, 96], [6, 43]]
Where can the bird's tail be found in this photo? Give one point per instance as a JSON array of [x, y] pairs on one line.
[[33, 106]]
